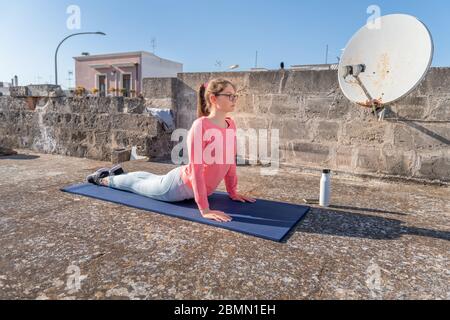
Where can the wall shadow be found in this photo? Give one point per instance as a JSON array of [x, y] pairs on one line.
[[19, 157], [354, 225], [413, 123]]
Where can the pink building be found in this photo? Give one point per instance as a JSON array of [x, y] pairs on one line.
[[121, 73]]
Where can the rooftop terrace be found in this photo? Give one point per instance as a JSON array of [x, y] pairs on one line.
[[380, 239]]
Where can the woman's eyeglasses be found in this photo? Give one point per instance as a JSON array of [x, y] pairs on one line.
[[231, 97]]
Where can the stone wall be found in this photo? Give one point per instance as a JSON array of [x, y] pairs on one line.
[[82, 127], [319, 128]]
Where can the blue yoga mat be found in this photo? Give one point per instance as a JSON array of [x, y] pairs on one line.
[[265, 219]]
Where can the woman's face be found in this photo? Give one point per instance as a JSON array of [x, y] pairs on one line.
[[225, 101]]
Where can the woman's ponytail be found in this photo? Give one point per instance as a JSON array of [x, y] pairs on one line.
[[202, 107]]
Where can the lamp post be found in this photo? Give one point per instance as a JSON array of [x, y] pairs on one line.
[[57, 48]]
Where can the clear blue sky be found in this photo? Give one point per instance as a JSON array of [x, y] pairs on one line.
[[196, 33]]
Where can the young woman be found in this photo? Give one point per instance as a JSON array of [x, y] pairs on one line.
[[210, 161]]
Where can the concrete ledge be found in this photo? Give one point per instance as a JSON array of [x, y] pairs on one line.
[[46, 90]]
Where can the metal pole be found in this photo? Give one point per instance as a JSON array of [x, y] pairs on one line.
[[59, 45]]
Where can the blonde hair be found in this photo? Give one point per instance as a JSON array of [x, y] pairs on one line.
[[205, 92]]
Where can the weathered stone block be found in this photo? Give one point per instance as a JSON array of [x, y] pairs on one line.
[[344, 157], [326, 132], [283, 104], [134, 105], [77, 136], [417, 136], [318, 107], [116, 105], [159, 88], [340, 107], [185, 119], [97, 121], [435, 166], [395, 163], [246, 104], [436, 81], [311, 153], [146, 124], [293, 129], [440, 109], [261, 104], [120, 155], [166, 103], [363, 133], [265, 82], [45, 90], [310, 82], [411, 107], [19, 92], [369, 159]]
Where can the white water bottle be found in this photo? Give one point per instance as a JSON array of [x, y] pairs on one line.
[[325, 189]]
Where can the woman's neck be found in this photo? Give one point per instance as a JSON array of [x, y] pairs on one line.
[[218, 117]]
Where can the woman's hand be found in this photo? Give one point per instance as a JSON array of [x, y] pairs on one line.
[[242, 198], [216, 215]]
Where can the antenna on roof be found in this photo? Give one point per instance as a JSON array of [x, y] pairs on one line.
[[153, 45]]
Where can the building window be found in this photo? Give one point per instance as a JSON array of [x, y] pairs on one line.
[[102, 85], [126, 84]]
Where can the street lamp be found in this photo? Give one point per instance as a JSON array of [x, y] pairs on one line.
[[56, 53]]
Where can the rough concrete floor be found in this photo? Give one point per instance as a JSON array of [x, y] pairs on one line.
[[380, 240]]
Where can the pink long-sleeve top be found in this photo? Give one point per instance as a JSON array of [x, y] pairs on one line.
[[212, 158]]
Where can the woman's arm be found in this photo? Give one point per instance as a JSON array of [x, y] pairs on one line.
[[195, 148], [231, 180], [231, 184]]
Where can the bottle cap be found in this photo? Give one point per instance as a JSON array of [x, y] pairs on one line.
[[326, 171]]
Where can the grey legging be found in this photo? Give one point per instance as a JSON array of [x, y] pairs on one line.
[[169, 187]]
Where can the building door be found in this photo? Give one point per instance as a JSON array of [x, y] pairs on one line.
[[102, 85], [126, 84]]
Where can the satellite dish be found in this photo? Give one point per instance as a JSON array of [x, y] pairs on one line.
[[380, 66]]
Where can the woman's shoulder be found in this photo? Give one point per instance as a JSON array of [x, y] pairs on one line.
[[198, 122], [203, 122]]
